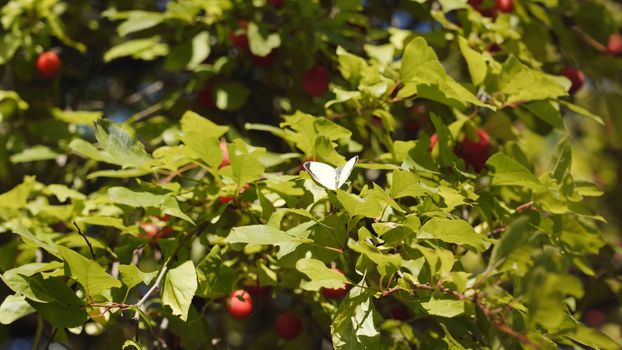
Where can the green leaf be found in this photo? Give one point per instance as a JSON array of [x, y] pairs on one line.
[[62, 192], [103, 221], [180, 285], [119, 148], [231, 95], [13, 96], [545, 296], [522, 84], [306, 128], [139, 20], [320, 276], [204, 148], [547, 111], [350, 66], [193, 122], [387, 264], [515, 236], [371, 206], [408, 184], [592, 338], [582, 111], [355, 324], [131, 276], [17, 197], [87, 272], [35, 241], [262, 234], [130, 344], [561, 161], [423, 74], [166, 202], [453, 231], [77, 117], [61, 307], [452, 344], [146, 49], [508, 172], [245, 167], [171, 207], [125, 196], [33, 154], [13, 308], [88, 150], [201, 136], [15, 277], [301, 231], [475, 62], [261, 45], [200, 49], [444, 307], [215, 278]]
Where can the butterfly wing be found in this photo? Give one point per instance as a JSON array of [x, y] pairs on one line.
[[323, 174], [344, 172]]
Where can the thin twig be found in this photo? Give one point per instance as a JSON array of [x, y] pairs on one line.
[[199, 229], [525, 206], [86, 239], [39, 333], [155, 285], [590, 41]]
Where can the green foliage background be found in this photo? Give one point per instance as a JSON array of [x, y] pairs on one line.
[[512, 257]]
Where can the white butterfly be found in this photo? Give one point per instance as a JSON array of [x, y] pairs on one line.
[[329, 177]]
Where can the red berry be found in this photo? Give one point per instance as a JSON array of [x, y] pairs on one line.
[[59, 227], [475, 4], [399, 312], [239, 37], [276, 3], [264, 61], [165, 232], [411, 125], [494, 48], [149, 228], [576, 76], [225, 154], [288, 325], [420, 109], [614, 45], [205, 98], [338, 293], [164, 218], [594, 318], [505, 5], [240, 304], [225, 199], [243, 24], [479, 145], [475, 152], [376, 121], [315, 81], [433, 141], [48, 64]]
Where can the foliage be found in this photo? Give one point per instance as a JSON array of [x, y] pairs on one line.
[[161, 169]]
